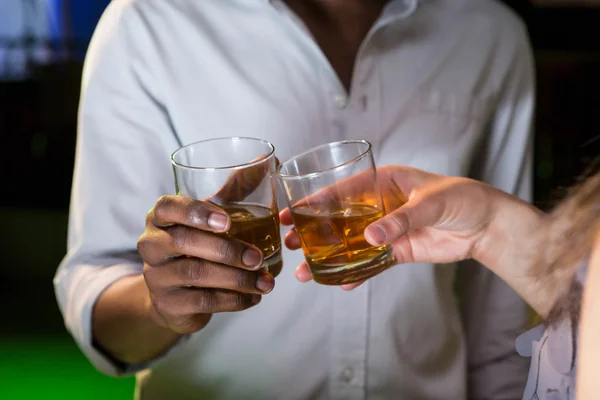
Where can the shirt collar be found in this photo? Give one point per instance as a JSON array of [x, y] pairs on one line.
[[394, 10], [398, 9]]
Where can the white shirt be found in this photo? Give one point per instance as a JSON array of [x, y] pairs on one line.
[[442, 85]]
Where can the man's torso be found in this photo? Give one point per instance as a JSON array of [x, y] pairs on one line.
[[422, 91]]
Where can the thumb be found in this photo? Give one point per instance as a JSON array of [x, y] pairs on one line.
[[417, 213]]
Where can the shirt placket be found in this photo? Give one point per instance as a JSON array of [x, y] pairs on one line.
[[364, 120], [352, 115], [349, 336], [355, 117]]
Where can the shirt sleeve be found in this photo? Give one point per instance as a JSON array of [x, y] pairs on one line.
[[121, 168], [493, 314]]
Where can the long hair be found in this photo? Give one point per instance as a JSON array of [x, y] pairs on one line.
[[569, 237]]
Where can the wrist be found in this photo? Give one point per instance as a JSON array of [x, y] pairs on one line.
[[123, 326], [154, 321], [510, 245], [512, 230]]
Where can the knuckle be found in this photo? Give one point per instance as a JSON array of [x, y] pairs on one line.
[[162, 207], [165, 201], [241, 302], [142, 245], [194, 270], [148, 277], [161, 304], [147, 250], [227, 250], [233, 301], [400, 222], [243, 279], [238, 302], [179, 236], [207, 300], [149, 217]]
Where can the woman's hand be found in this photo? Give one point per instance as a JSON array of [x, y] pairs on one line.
[[430, 218], [438, 219]]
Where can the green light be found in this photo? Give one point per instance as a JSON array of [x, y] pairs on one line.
[[49, 369]]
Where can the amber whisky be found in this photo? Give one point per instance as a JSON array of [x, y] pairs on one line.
[[334, 244], [259, 226]]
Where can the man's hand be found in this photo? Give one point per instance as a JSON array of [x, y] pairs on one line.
[[191, 272]]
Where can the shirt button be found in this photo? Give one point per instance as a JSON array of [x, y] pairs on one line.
[[347, 375], [341, 101]]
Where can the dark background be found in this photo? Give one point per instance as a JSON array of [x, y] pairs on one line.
[[37, 138]]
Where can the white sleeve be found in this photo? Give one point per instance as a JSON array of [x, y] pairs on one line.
[[122, 167]]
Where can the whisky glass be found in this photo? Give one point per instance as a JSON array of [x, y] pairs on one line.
[[333, 195], [238, 175]]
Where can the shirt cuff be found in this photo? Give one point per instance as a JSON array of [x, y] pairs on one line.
[[87, 283]]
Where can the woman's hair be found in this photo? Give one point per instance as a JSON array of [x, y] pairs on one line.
[[572, 230]]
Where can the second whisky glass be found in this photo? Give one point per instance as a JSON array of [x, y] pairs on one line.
[[333, 195]]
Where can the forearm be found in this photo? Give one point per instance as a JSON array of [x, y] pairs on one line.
[[510, 246], [122, 324]]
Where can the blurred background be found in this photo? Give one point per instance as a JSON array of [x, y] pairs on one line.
[[42, 47]]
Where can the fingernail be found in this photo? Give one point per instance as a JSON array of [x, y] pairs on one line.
[[217, 221], [256, 298], [377, 234], [251, 257], [265, 283]]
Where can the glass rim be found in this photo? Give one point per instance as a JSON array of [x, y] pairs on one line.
[[315, 174], [228, 167]]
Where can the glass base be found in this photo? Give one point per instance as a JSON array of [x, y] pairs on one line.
[[274, 263], [335, 275]]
